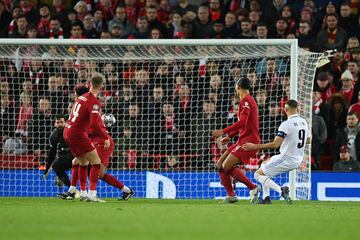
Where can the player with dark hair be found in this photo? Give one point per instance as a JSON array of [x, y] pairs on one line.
[[86, 113], [292, 137], [59, 156], [104, 154], [247, 127]]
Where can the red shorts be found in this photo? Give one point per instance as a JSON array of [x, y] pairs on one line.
[[79, 143], [103, 153], [240, 153]]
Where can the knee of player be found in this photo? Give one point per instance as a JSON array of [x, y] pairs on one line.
[[101, 175]]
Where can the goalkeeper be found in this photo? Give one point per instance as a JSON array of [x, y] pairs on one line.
[[59, 157]]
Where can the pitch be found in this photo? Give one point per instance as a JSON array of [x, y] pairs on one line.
[[50, 218]]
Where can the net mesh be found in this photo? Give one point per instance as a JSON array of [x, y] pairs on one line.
[[166, 100]]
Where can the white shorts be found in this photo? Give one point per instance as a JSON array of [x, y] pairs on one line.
[[279, 164]]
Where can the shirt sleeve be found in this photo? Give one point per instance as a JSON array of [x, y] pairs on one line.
[[95, 121], [52, 147], [243, 119], [283, 130]]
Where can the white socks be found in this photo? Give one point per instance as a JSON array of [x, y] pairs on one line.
[[72, 189], [126, 189], [267, 183]]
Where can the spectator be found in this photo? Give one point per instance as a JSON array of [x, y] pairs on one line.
[[349, 136], [77, 30], [44, 22], [31, 32], [347, 87], [356, 106], [216, 13], [117, 30], [184, 107], [320, 107], [81, 10], [218, 29], [151, 15], [15, 144], [121, 18], [183, 7], [131, 11], [203, 25], [8, 114], [262, 31], [305, 38], [163, 11], [89, 27], [25, 113], [231, 29], [5, 19], [55, 29], [246, 29], [326, 89], [346, 163], [126, 148], [138, 125], [20, 31], [142, 28], [40, 126], [281, 28], [333, 36], [58, 10], [346, 20], [338, 112], [155, 34], [175, 27], [201, 140], [273, 10], [254, 17], [288, 15], [318, 138]]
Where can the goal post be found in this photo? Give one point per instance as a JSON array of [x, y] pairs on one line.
[[167, 96]]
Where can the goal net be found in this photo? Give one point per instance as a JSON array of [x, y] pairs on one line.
[[166, 97]]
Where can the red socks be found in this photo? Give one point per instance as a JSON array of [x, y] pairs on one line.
[[94, 176], [83, 174], [113, 181], [240, 176], [226, 182], [74, 175]]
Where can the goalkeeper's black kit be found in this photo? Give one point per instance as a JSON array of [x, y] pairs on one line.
[[59, 156]]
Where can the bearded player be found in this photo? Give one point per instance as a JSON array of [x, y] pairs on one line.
[[86, 113], [247, 127]]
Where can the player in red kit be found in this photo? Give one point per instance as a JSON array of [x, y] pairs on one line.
[[86, 113], [247, 127], [104, 155]]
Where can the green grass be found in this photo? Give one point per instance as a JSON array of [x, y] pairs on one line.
[[49, 218]]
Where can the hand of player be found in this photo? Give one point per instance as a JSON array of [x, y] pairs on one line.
[[225, 140], [248, 146], [217, 133], [107, 144]]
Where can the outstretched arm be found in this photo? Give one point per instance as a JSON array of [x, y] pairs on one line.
[[270, 145]]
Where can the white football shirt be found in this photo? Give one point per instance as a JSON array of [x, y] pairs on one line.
[[295, 132]]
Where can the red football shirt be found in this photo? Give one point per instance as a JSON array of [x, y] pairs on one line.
[[98, 133], [248, 122], [85, 113]]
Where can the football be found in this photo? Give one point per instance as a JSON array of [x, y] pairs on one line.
[[108, 119]]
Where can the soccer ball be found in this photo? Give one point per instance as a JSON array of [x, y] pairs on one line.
[[108, 119]]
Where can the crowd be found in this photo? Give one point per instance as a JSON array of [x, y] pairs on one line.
[[166, 110]]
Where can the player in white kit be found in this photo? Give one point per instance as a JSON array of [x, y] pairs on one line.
[[292, 137]]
